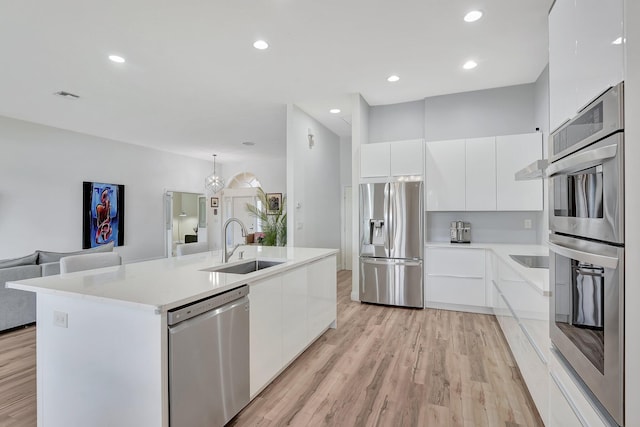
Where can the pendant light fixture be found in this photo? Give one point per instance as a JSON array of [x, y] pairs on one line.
[[214, 182]]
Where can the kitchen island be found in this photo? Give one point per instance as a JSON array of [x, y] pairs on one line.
[[102, 341]]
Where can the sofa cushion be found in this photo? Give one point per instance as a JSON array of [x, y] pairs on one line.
[[16, 262], [46, 256]]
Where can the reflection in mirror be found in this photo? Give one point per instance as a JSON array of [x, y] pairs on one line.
[[188, 222]]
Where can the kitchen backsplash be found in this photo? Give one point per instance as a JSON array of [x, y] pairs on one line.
[[487, 227]]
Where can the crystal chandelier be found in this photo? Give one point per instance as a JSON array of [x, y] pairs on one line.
[[214, 182]]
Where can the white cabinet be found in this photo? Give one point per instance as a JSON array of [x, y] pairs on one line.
[[479, 174], [390, 159], [321, 288], [445, 175], [513, 152], [407, 158], [265, 332], [455, 276], [480, 177], [585, 53], [288, 312], [374, 160], [568, 404], [294, 313]]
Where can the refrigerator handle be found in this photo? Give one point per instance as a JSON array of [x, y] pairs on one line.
[[387, 222], [389, 206]]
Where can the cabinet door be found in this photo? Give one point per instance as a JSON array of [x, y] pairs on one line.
[[562, 63], [407, 158], [456, 276], [322, 287], [599, 48], [265, 332], [445, 175], [294, 313], [513, 152], [480, 171], [374, 160]]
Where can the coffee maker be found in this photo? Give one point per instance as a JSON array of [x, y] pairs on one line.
[[460, 232]]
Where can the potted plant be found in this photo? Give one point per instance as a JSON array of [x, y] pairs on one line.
[[273, 222]]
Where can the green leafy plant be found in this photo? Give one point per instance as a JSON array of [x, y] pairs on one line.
[[274, 226]]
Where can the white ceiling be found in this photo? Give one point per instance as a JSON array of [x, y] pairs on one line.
[[194, 84]]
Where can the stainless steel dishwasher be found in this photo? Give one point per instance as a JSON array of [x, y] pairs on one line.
[[209, 360]]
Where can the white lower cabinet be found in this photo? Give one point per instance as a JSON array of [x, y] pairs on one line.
[[265, 314], [455, 276], [568, 405], [287, 313]]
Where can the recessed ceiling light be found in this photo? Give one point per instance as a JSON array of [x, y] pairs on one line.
[[469, 65], [334, 110], [619, 40], [473, 16], [260, 44], [393, 78], [249, 143], [116, 58]]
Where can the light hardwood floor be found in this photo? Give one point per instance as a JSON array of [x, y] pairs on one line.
[[383, 366]]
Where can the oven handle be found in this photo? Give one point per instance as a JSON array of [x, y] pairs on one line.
[[588, 257], [582, 160]]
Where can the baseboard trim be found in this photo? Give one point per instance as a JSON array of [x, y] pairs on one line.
[[458, 307], [355, 296]]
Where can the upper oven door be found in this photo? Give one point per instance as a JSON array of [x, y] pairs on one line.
[[587, 192], [587, 314]]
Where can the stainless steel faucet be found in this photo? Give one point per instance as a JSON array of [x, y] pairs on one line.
[[226, 255]]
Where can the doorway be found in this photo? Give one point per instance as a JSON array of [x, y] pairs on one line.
[[347, 227]]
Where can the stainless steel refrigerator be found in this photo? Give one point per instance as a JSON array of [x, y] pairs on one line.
[[391, 244]]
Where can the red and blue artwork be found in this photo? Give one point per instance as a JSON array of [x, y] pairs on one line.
[[103, 216]]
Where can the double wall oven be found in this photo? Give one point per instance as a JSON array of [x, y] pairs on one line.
[[586, 244]]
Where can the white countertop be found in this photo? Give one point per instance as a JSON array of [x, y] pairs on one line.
[[163, 284], [538, 278]]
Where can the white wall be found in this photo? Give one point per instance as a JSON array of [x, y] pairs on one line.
[[396, 122], [632, 207], [313, 183], [41, 174], [360, 135]]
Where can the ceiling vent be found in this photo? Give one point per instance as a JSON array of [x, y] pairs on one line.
[[67, 95]]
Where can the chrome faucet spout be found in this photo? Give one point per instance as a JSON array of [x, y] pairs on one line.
[[228, 254]]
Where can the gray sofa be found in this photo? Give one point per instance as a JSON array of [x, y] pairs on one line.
[[17, 307]]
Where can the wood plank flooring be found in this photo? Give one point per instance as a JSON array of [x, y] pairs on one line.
[[388, 366], [383, 366]]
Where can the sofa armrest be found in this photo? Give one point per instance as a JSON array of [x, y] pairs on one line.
[[50, 268]]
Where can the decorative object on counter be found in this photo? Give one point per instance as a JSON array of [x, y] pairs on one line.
[[215, 202], [274, 203], [102, 214], [460, 232], [273, 222], [214, 182]]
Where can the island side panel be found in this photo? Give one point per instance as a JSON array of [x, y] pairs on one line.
[[106, 368]]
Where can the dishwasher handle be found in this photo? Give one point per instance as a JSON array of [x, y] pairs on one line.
[[197, 308]]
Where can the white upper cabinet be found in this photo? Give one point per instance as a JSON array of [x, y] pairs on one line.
[[388, 159], [407, 158], [513, 152], [480, 174], [374, 160], [445, 177], [585, 54]]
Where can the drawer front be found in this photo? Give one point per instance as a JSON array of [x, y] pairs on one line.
[[455, 262], [456, 290]]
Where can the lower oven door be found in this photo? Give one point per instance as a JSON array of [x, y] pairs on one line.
[[587, 315], [586, 192]]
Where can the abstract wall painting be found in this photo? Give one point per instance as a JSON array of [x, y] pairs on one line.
[[102, 214]]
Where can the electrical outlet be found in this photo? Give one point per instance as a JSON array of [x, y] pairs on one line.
[[528, 224], [60, 319]]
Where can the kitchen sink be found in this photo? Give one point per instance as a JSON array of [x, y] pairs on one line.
[[245, 267], [532, 261]]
